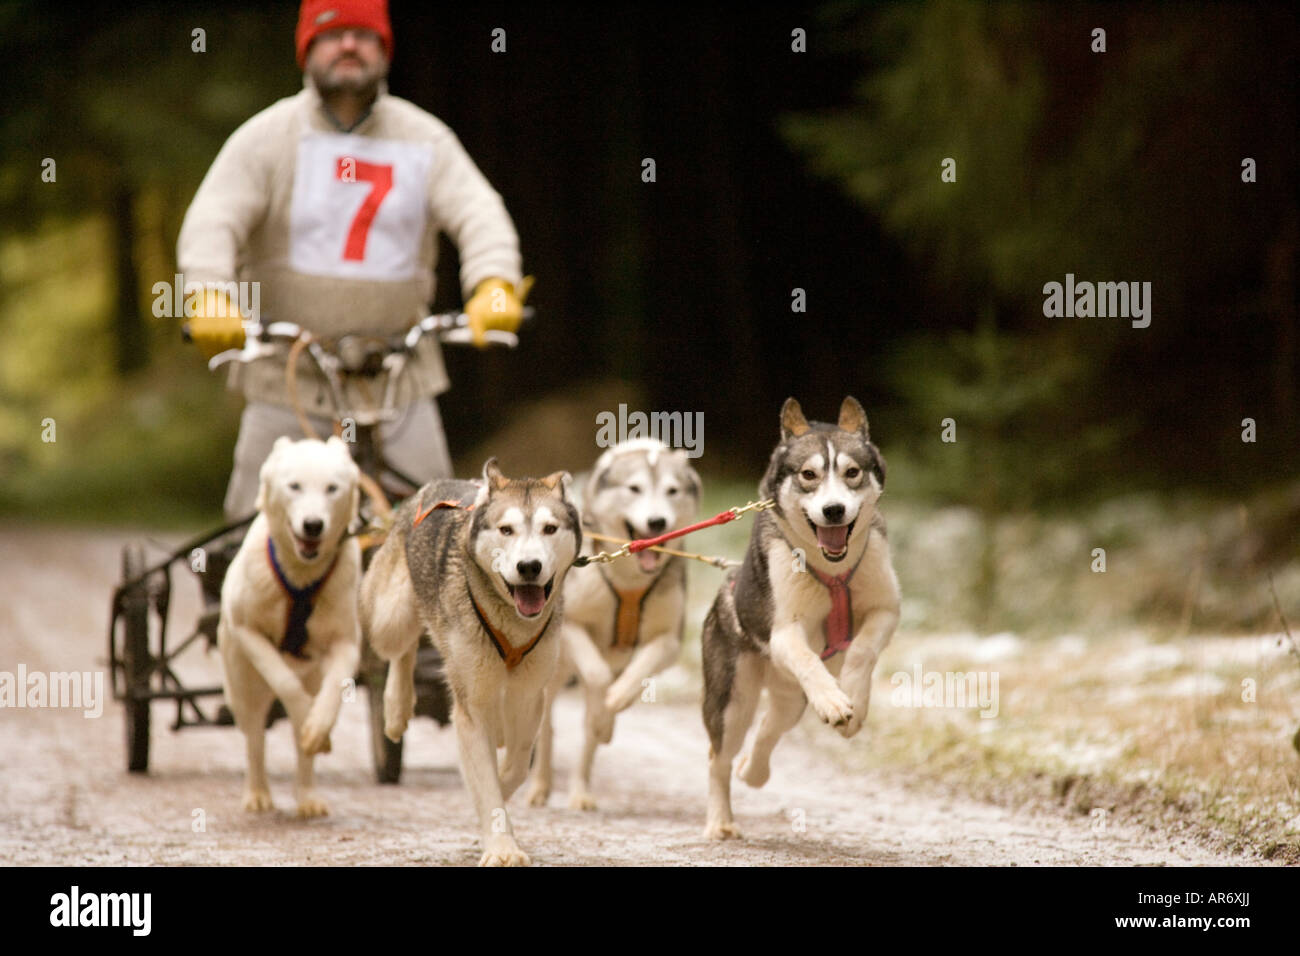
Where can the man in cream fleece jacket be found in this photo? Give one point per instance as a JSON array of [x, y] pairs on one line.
[[332, 200]]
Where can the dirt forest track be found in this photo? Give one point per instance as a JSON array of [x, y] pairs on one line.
[[66, 798]]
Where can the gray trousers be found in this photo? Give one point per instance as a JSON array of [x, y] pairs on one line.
[[413, 444]]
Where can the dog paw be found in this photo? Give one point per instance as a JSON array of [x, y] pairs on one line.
[[721, 830], [502, 850], [537, 796], [394, 729], [310, 805], [600, 721], [833, 707], [582, 800], [752, 772], [854, 723], [618, 698], [397, 715], [315, 737], [257, 800]]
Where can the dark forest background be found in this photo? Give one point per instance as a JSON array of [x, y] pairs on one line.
[[776, 170]]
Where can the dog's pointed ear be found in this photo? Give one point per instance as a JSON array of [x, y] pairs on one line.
[[493, 476], [693, 480], [688, 475], [264, 474], [853, 418], [344, 451], [576, 520], [263, 489], [793, 424], [558, 479]]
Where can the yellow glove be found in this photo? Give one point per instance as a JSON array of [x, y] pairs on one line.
[[216, 324], [496, 304]]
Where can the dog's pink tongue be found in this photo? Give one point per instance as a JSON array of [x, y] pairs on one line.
[[647, 559], [530, 599], [833, 539]]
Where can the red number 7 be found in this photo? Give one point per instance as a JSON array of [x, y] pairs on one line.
[[380, 176]]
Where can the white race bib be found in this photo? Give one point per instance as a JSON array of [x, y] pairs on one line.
[[359, 206]]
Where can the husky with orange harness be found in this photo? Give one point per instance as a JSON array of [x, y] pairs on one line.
[[480, 566], [810, 609], [623, 620]]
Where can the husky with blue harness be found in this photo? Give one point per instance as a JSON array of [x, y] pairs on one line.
[[289, 627], [810, 609]]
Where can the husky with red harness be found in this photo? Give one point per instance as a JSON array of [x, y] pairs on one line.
[[624, 619], [481, 568], [810, 609]]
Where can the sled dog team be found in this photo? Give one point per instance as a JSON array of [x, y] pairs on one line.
[[486, 569]]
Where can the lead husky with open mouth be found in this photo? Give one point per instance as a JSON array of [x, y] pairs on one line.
[[481, 567], [810, 609]]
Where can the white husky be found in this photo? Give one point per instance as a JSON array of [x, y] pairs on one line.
[[623, 620], [289, 626]]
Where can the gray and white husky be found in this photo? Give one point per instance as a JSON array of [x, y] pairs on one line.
[[810, 609], [623, 620], [481, 567]]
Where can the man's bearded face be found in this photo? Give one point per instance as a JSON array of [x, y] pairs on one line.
[[350, 60]]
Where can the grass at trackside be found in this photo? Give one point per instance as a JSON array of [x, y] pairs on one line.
[[1193, 735]]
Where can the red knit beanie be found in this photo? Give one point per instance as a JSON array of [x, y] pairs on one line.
[[320, 16]]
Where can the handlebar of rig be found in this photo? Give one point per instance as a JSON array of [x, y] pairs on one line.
[[451, 327]]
